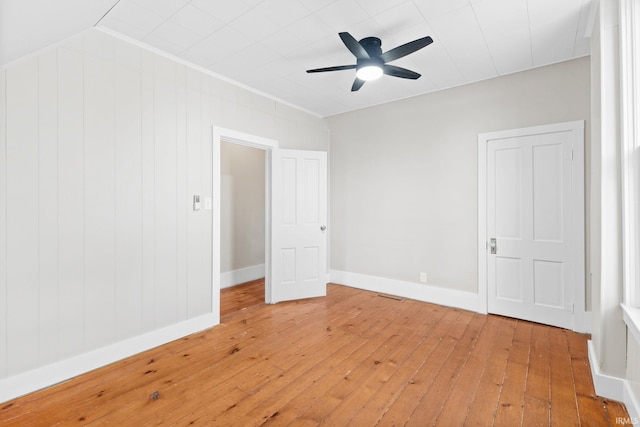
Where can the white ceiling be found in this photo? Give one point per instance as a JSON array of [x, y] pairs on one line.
[[268, 44], [27, 26]]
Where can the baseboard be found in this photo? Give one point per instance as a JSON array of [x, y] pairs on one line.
[[242, 275], [46, 376], [420, 292], [633, 408], [606, 385]]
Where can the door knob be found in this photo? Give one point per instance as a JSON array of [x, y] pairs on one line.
[[493, 245], [323, 227]]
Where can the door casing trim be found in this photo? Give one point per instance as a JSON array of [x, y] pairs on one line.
[[220, 134], [580, 318]]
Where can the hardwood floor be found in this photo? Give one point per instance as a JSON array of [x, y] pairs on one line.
[[353, 358], [241, 299]]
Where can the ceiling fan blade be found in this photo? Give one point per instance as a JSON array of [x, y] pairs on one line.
[[406, 49], [354, 46], [392, 70], [336, 68], [357, 84]]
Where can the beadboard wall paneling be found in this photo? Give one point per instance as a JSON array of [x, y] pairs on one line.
[[181, 190], [22, 216], [99, 197], [209, 303], [48, 207], [148, 199], [102, 146], [195, 248], [165, 180], [128, 201], [71, 269]]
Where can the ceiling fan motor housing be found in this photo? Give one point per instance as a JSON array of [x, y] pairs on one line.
[[372, 45]]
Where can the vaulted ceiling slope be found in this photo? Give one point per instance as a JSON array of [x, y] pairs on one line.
[[27, 26], [268, 44]]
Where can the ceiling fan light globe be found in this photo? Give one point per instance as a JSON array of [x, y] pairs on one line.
[[369, 72]]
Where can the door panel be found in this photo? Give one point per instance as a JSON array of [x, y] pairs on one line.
[[547, 192], [548, 283], [299, 204], [508, 279], [507, 207], [528, 211]]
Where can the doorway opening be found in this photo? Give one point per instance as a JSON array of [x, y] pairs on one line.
[[242, 228], [232, 268]]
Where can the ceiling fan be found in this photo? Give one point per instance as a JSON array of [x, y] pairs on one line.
[[371, 63]]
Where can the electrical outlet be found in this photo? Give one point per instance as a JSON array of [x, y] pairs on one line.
[[423, 277]]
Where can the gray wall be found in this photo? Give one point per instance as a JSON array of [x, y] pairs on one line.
[[403, 175], [242, 213]]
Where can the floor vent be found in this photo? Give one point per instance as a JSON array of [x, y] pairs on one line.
[[394, 297]]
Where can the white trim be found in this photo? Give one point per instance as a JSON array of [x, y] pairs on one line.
[[421, 292], [605, 385], [246, 139], [483, 296], [36, 379], [631, 316], [580, 316], [241, 275], [591, 20], [631, 402], [630, 138], [237, 137]]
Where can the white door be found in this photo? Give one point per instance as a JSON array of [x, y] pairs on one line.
[[298, 225], [530, 226]]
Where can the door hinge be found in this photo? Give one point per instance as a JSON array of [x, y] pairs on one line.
[[572, 155]]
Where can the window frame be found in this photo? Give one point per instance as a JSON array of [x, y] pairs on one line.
[[629, 14]]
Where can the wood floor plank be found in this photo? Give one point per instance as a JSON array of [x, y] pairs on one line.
[[462, 391], [452, 328], [351, 358], [312, 391], [511, 400], [240, 299], [432, 402], [368, 377], [537, 394], [483, 408], [564, 406], [373, 410], [298, 379], [296, 363], [309, 399]]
